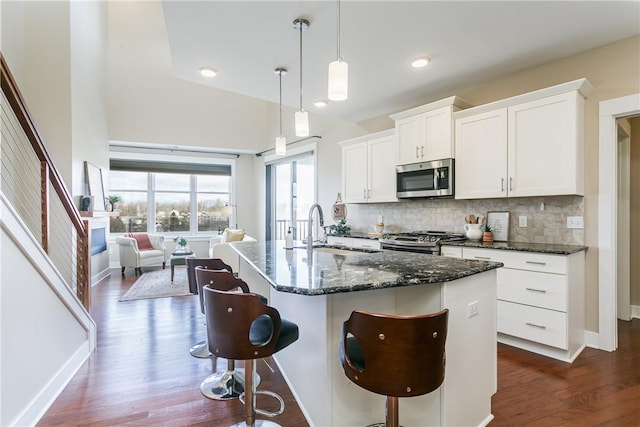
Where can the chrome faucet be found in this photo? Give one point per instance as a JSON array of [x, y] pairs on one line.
[[321, 217]]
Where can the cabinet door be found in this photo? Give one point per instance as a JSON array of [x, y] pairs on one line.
[[437, 140], [382, 170], [409, 133], [481, 155], [544, 150], [354, 173]]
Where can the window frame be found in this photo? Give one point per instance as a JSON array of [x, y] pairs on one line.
[[193, 191]]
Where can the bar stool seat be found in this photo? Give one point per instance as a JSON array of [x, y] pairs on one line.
[[242, 327], [395, 356]]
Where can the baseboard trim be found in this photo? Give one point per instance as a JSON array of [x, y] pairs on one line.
[[635, 311], [41, 403], [592, 339]]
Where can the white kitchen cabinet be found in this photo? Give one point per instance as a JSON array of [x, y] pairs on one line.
[[529, 145], [425, 133], [369, 168], [540, 300]]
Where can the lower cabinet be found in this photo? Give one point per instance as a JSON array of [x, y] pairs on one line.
[[540, 299]]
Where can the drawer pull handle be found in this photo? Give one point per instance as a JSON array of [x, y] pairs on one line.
[[536, 326], [542, 291], [536, 262], [365, 246], [482, 257]]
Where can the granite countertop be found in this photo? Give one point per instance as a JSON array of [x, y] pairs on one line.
[[545, 248], [353, 270]]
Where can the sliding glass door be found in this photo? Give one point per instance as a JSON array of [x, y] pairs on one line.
[[290, 193]]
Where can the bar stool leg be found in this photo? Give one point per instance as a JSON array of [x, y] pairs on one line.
[[392, 411], [250, 399]]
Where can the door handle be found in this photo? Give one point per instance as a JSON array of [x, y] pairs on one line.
[[364, 193], [422, 150], [502, 185], [417, 151], [510, 183]]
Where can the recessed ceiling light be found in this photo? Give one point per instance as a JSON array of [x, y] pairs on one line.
[[320, 103], [207, 72], [421, 62]]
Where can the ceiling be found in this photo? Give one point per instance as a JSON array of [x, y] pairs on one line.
[[469, 42]]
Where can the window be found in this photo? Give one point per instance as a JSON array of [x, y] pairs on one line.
[[170, 202]]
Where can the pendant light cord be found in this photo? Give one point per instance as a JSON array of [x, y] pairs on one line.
[[301, 24], [338, 41], [280, 73]]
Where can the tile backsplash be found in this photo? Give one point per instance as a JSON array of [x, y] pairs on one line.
[[546, 216]]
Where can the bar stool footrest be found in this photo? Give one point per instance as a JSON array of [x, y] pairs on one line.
[[262, 411]]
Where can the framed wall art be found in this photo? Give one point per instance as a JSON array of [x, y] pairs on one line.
[[499, 223], [93, 175]]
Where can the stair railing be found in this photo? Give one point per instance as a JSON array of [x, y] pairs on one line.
[[33, 185]]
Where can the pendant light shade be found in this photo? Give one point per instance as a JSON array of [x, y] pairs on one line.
[[281, 141], [338, 72], [281, 146], [301, 116], [302, 123], [338, 80]]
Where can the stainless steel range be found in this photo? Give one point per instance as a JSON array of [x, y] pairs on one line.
[[419, 241]]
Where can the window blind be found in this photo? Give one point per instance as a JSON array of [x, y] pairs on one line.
[[169, 167]]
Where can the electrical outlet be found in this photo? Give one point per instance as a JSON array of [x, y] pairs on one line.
[[575, 222], [522, 221], [472, 309]]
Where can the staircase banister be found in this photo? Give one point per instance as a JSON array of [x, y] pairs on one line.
[[10, 88]]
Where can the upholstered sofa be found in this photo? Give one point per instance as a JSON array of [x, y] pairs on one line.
[[219, 246], [139, 250]]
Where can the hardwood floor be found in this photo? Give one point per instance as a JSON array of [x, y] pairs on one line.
[[142, 374]]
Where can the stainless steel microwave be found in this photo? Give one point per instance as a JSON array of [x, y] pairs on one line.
[[425, 179]]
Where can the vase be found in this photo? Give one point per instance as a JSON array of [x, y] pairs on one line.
[[472, 231]]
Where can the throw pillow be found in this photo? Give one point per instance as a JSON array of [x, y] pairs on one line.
[[232, 236], [144, 244]]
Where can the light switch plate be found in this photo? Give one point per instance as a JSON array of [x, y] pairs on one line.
[[575, 222], [522, 221]]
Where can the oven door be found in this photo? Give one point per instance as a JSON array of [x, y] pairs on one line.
[[427, 179]]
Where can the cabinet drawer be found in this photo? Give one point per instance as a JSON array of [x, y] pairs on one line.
[[544, 290], [546, 263], [354, 242], [535, 324], [451, 251]]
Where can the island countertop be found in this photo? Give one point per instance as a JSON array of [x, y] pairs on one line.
[[544, 248], [293, 271]]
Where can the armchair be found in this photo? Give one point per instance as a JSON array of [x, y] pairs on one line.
[[139, 250]]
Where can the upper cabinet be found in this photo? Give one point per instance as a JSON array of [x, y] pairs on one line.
[[369, 168], [425, 133], [529, 145]]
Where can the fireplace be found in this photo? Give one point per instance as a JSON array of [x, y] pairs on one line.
[[98, 240]]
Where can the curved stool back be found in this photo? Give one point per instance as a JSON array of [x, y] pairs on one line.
[[242, 326], [396, 356], [201, 349]]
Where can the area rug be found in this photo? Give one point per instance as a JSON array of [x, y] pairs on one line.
[[158, 284]]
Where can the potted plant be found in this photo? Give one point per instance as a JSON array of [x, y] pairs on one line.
[[114, 199], [487, 236]]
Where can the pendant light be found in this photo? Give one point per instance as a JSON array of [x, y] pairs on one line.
[[301, 116], [281, 141], [338, 72]]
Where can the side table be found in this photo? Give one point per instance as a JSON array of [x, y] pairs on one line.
[[179, 259]]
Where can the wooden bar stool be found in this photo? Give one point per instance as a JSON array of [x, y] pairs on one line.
[[227, 384], [201, 349], [241, 327], [395, 356]]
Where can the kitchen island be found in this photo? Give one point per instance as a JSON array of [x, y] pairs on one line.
[[319, 290]]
